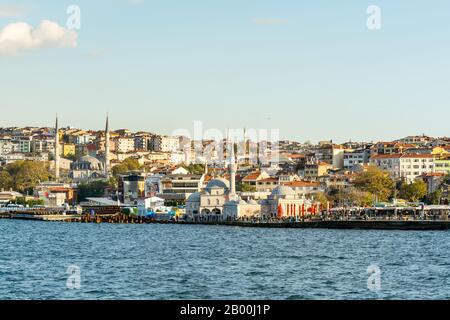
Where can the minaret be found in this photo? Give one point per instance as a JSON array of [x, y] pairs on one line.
[[233, 169], [57, 152], [107, 147]]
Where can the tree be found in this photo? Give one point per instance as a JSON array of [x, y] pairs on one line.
[[434, 198], [30, 203], [413, 192], [375, 181], [5, 180], [128, 164], [351, 197], [320, 197], [194, 168], [23, 176], [245, 187], [92, 189]]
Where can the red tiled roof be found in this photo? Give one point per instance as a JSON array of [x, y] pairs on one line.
[[268, 180], [252, 176], [302, 184], [434, 174]]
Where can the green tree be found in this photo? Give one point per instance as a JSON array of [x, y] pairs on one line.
[[321, 197], [375, 181], [245, 187], [5, 180], [434, 198], [413, 192], [23, 176], [194, 168], [351, 197], [30, 203], [92, 189], [128, 164]]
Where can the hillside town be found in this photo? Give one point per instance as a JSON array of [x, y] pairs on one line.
[[216, 180]]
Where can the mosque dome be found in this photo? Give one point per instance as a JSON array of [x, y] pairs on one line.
[[218, 183], [88, 163], [283, 191], [195, 197], [251, 201], [231, 203]]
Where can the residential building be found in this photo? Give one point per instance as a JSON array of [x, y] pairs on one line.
[[253, 178], [315, 169], [390, 148], [142, 142], [303, 188], [124, 144], [131, 187], [267, 184], [181, 184], [442, 164], [404, 166], [330, 153], [354, 157], [25, 144], [164, 143]]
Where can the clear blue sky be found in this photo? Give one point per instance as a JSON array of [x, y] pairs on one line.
[[310, 68]]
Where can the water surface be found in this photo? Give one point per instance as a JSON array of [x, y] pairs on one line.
[[215, 262]]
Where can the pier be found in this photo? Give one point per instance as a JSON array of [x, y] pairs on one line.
[[375, 218]]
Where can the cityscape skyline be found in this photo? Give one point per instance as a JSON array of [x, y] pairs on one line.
[[238, 132], [312, 70]]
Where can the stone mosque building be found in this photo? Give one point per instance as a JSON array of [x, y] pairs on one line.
[[91, 168], [219, 201]]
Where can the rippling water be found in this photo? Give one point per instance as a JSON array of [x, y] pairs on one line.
[[212, 262]]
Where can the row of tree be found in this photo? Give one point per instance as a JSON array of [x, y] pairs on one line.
[[375, 185]]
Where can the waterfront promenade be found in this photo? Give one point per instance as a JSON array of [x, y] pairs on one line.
[[376, 222]]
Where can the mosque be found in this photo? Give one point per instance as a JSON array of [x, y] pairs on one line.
[[86, 167], [218, 201]]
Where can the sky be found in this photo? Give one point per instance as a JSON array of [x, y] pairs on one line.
[[312, 69]]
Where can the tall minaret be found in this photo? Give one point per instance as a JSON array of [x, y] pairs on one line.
[[107, 146], [57, 152], [233, 169]]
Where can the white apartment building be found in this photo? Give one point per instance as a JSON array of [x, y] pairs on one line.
[[24, 145], [404, 166], [356, 157], [43, 146], [414, 165], [164, 144], [124, 145]]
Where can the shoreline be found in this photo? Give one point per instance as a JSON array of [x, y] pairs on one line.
[[379, 224]]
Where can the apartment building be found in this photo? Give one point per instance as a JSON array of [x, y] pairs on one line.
[[164, 144], [407, 167]]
